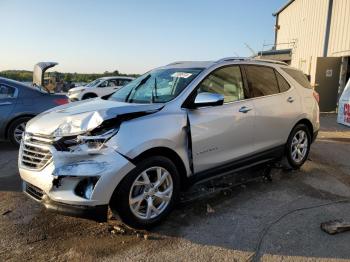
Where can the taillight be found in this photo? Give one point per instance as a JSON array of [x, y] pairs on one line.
[[60, 101], [317, 96]]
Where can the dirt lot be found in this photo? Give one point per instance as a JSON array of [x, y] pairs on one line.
[[218, 222]]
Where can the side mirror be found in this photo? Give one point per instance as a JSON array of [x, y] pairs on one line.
[[208, 99]]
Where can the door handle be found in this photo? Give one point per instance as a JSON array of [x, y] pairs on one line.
[[290, 99], [244, 109], [5, 103]]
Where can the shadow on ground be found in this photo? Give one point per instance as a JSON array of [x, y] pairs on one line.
[[216, 220]]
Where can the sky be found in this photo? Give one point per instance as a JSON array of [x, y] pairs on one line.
[[131, 36]]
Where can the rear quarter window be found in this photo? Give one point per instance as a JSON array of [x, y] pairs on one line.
[[299, 77], [282, 83], [6, 91]]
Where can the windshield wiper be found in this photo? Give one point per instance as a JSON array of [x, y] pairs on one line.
[[137, 87]]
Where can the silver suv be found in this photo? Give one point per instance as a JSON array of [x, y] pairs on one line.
[[175, 125]]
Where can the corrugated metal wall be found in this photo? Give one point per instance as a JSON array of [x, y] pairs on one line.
[[303, 22], [339, 39]]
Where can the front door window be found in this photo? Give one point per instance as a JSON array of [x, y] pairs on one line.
[[226, 81]]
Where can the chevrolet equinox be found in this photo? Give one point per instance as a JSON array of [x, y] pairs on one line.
[[136, 149]]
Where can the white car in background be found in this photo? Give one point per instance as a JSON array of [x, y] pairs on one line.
[[344, 106], [100, 87]]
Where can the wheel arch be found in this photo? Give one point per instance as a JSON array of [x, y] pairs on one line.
[[89, 93], [169, 153], [14, 119], [308, 123]]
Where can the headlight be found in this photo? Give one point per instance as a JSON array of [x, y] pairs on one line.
[[79, 124], [73, 92], [85, 142], [96, 142]]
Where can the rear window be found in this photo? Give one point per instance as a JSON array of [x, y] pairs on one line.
[[298, 76]]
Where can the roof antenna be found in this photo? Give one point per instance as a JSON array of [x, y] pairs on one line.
[[251, 50]]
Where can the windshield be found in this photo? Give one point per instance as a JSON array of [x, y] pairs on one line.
[[156, 86], [95, 82]]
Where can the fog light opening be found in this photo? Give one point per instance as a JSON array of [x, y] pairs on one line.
[[86, 187]]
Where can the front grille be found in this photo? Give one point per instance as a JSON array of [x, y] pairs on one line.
[[33, 154], [35, 192]]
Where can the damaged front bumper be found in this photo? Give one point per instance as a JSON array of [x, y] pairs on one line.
[[76, 183], [97, 213]]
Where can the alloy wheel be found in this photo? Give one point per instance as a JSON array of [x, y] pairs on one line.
[[18, 132], [151, 193], [299, 146]]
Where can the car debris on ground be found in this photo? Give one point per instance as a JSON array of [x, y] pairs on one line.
[[6, 212], [335, 226]]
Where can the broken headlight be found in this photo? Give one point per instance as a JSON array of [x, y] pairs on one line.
[[96, 142], [90, 141]]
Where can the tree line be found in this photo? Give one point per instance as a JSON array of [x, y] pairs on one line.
[[27, 76]]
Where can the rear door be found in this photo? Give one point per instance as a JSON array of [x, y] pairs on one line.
[[276, 106], [221, 134], [8, 95], [105, 88]]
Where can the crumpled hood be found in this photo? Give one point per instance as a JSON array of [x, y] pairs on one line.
[[83, 116]]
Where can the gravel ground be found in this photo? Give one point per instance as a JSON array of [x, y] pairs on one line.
[[217, 221]]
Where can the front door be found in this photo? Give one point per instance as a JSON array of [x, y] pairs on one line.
[[108, 87], [221, 134], [327, 82]]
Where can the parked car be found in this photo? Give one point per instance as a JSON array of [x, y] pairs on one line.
[[100, 87], [344, 106], [169, 128], [18, 104]]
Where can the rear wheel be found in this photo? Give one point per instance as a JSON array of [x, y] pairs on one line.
[[298, 146], [148, 193], [16, 130]]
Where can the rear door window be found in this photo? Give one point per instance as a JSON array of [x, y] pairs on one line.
[[261, 80], [298, 76], [113, 82], [123, 82]]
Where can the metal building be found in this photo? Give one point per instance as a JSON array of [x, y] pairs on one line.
[[317, 33]]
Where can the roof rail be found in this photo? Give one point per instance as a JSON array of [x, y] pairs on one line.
[[269, 61], [231, 59], [176, 63]]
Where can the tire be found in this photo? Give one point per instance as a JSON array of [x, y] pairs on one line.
[[134, 187], [298, 146], [14, 128], [88, 96]]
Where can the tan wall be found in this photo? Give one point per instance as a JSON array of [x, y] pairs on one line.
[[339, 40], [303, 21]]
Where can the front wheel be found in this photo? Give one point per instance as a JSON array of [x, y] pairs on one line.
[[148, 193], [298, 146]]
